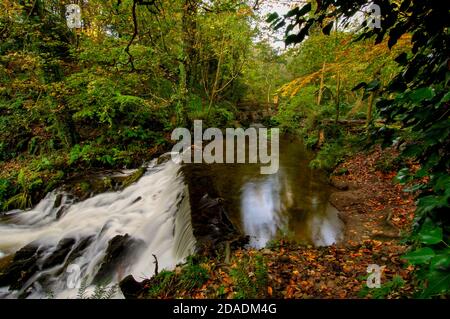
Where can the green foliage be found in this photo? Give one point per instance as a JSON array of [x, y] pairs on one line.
[[388, 163], [100, 291], [332, 153], [250, 278], [166, 283], [193, 276], [162, 283], [385, 290]]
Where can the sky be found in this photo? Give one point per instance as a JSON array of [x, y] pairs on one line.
[[281, 7]]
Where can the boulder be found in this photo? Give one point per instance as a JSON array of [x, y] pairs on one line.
[[22, 267], [122, 250]]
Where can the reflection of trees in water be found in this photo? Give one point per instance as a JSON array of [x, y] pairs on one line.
[[294, 200]]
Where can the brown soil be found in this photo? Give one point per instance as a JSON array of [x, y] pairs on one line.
[[371, 205]]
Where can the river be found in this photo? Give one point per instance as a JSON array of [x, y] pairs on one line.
[[87, 242]]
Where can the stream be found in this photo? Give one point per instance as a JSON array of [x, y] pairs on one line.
[[291, 203], [111, 235]]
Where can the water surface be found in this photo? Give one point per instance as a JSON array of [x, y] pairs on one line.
[[292, 202]]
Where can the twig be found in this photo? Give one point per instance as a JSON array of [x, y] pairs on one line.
[[156, 264]]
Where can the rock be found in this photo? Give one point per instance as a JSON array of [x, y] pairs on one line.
[[130, 288], [341, 185], [77, 251], [58, 200], [136, 200], [22, 267], [164, 158], [121, 251], [61, 211], [59, 254], [344, 199]]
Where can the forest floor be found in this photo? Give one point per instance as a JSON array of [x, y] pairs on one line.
[[376, 213]]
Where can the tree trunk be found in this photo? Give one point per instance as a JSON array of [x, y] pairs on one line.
[[338, 84], [370, 106], [216, 79], [319, 98]]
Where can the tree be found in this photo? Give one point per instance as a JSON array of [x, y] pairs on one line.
[[417, 97]]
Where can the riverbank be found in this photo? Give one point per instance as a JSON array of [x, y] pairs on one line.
[[370, 203], [376, 212]]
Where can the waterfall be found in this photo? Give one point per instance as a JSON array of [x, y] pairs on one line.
[[154, 212]]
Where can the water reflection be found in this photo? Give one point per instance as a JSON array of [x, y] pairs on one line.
[[261, 210], [292, 202]]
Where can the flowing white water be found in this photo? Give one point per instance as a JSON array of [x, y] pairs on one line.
[[154, 210]]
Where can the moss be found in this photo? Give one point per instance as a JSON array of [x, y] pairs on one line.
[[130, 179]]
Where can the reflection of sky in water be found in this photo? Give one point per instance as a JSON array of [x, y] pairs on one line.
[[260, 205], [326, 229], [265, 206], [292, 202]]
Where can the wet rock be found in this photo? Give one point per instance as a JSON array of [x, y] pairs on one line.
[[211, 225], [22, 267], [343, 216], [58, 200], [79, 248], [61, 211], [59, 254], [136, 200], [164, 158], [130, 288], [121, 251]]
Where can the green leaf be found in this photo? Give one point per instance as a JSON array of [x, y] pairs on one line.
[[292, 12], [292, 38], [421, 94], [420, 256], [446, 98], [402, 176], [306, 8], [438, 283], [427, 204], [441, 260], [279, 25], [373, 85], [430, 236], [271, 17]]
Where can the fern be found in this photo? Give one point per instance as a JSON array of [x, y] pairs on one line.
[[82, 290]]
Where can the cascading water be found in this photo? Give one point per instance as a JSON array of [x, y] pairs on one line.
[[154, 212]]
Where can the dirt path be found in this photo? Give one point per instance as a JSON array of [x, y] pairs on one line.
[[370, 204]]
